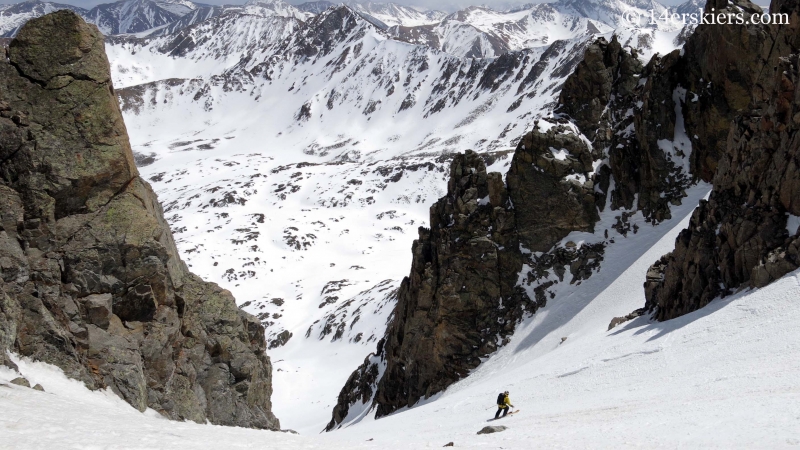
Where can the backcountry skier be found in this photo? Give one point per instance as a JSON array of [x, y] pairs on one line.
[[503, 404]]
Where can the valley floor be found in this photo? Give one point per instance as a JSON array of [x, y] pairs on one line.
[[727, 376]]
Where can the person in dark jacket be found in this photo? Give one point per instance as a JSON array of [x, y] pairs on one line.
[[503, 405]]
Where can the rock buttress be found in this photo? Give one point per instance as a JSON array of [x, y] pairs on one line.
[[91, 280], [458, 304], [740, 236]]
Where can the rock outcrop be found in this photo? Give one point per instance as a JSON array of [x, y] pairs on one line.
[[459, 302], [724, 67], [746, 234], [547, 207], [90, 279], [625, 136]]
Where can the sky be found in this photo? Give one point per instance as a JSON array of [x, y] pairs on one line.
[[442, 5]]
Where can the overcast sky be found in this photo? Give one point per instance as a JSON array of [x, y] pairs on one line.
[[442, 5]]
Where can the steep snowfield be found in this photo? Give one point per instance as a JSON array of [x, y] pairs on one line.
[[726, 376]]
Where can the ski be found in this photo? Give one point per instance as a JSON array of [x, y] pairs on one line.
[[498, 418]]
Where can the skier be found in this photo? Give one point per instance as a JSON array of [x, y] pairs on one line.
[[503, 404]]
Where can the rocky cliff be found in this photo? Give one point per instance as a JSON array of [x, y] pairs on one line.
[[746, 234], [460, 300], [90, 279], [628, 138]]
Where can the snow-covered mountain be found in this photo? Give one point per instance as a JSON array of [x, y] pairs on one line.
[[194, 17], [145, 17], [135, 16], [275, 8], [393, 14], [480, 32], [315, 7], [13, 16], [124, 16], [612, 12], [472, 32]]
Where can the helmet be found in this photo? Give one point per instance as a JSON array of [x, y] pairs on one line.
[[506, 392]]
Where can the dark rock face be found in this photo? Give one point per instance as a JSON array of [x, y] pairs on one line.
[[629, 113], [461, 293], [90, 277], [322, 32], [588, 90], [724, 66], [739, 237], [460, 297], [547, 207]]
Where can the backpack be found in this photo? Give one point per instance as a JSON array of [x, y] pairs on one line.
[[501, 399]]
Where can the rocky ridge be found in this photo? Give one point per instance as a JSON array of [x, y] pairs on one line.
[[91, 279], [626, 137], [460, 301], [746, 234]]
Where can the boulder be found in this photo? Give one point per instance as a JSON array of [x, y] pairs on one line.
[[97, 309], [492, 429], [20, 381]]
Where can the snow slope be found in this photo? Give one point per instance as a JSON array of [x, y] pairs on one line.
[[726, 376]]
